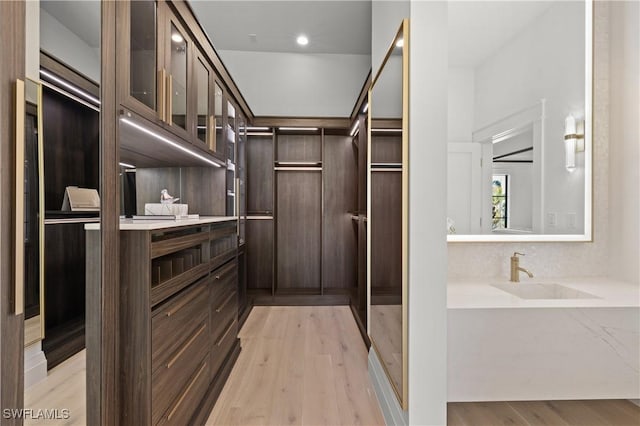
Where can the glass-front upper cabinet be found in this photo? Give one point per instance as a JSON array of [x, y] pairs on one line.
[[141, 93], [241, 175], [217, 144], [231, 159], [204, 103], [177, 63]]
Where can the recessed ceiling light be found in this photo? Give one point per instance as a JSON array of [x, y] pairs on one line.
[[302, 40], [177, 38], [400, 43]]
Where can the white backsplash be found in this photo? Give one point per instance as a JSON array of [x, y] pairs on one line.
[[490, 260]]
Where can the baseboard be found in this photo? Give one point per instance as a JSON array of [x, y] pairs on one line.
[[300, 300], [35, 364], [393, 413]]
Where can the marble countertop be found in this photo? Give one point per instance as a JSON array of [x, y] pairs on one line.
[[150, 225], [480, 294]]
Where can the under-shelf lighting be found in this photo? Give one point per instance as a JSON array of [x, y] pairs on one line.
[[70, 87], [366, 108], [258, 129], [355, 129], [301, 129], [168, 141], [387, 130], [129, 166]]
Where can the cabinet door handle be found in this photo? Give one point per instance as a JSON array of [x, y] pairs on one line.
[[212, 133], [169, 113], [162, 94], [19, 200]]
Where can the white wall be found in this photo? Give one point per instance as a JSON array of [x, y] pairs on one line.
[[58, 41], [298, 85], [624, 145], [546, 60], [460, 117], [427, 231], [491, 260]]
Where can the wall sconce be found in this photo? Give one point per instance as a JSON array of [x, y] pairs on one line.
[[573, 140]]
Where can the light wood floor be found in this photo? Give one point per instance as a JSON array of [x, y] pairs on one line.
[[299, 366], [557, 413], [64, 388]]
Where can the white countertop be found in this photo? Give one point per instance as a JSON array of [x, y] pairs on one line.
[[479, 294], [150, 225]]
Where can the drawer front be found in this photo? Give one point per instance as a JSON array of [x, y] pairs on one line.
[[222, 345], [224, 277], [183, 406], [171, 377], [223, 310], [173, 321]]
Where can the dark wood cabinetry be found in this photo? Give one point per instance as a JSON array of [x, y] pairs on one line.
[[167, 77], [178, 320], [71, 140], [301, 194]]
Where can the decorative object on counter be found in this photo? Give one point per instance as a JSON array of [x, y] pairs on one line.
[[159, 209], [166, 198], [80, 199]]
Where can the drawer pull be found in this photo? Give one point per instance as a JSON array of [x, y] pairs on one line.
[[186, 391], [227, 300], [219, 342], [224, 273], [186, 345], [174, 310]]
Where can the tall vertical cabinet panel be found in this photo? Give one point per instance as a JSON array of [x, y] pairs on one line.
[[339, 205], [298, 213], [260, 243], [298, 230]]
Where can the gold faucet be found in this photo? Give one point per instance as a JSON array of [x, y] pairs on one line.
[[515, 268]]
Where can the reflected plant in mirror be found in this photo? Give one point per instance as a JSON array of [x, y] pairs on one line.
[[519, 138]]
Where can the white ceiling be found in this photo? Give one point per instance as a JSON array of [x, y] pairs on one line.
[[332, 26], [81, 17], [477, 29]]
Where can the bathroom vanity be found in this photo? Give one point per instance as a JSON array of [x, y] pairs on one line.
[[178, 316], [543, 339]]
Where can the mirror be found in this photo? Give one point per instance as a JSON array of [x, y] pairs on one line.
[[387, 213], [519, 140], [33, 215]]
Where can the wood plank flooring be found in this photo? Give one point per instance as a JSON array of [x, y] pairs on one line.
[[609, 412], [64, 388], [299, 366]]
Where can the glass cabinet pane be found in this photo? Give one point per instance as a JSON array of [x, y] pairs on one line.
[[178, 71], [202, 76], [143, 52], [217, 143], [231, 160]]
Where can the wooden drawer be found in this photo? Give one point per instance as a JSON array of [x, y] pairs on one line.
[[224, 278], [173, 321], [174, 376], [223, 310], [183, 406], [222, 345]]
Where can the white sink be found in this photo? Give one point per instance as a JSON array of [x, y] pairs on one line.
[[543, 291]]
